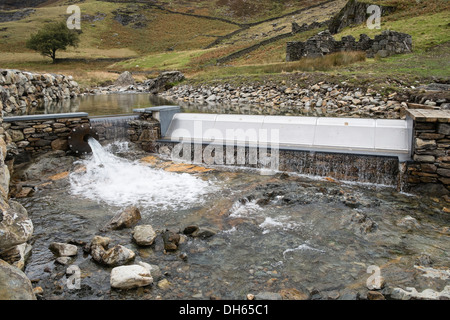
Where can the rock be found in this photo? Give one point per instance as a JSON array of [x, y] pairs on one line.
[[425, 144], [18, 255], [164, 81], [431, 189], [63, 260], [144, 235], [294, 294], [24, 193], [164, 284], [375, 295], [348, 294], [63, 249], [268, 296], [408, 222], [59, 144], [38, 290], [116, 256], [412, 293], [15, 226], [154, 270], [190, 230], [100, 241], [128, 277], [424, 260], [444, 128], [14, 284], [203, 233], [125, 219], [125, 79], [171, 240]]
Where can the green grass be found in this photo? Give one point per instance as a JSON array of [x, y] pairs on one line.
[[162, 61], [326, 63], [427, 30], [174, 41]]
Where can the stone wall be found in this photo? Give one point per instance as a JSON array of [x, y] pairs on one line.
[[12, 4], [20, 90], [29, 136], [430, 169], [144, 131], [385, 44], [316, 100], [141, 129]]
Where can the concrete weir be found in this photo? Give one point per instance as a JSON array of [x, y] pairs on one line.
[[363, 150], [411, 153], [377, 137]]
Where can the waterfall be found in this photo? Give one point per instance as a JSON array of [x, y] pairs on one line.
[[112, 128], [120, 182]]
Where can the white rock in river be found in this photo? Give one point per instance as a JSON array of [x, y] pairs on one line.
[[128, 277], [154, 270], [63, 249], [144, 235], [427, 294]]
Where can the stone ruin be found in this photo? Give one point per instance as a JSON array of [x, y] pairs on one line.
[[385, 44]]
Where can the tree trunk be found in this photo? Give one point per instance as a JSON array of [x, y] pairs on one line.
[[53, 55]]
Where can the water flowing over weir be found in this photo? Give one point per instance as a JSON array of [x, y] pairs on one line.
[[118, 181], [112, 128], [360, 150]]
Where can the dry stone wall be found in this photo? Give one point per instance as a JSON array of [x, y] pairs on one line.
[[20, 90], [29, 136], [430, 169], [385, 44]]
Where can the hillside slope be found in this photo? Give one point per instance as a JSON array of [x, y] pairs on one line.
[[152, 35]]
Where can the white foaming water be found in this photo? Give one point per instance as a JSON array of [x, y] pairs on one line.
[[302, 247], [251, 210], [120, 182]]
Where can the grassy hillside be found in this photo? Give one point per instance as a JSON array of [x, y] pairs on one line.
[[192, 36]]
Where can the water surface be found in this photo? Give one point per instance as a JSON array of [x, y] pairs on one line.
[[276, 233]]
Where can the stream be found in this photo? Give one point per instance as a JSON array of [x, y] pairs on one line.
[[298, 236]]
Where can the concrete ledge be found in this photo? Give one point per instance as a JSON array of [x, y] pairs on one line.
[[426, 115], [39, 117]]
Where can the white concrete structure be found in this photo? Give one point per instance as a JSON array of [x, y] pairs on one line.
[[338, 135]]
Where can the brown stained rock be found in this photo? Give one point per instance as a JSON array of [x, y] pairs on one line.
[[125, 219]]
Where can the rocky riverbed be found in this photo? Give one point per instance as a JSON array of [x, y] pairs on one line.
[[249, 237]]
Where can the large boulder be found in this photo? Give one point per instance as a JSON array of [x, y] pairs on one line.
[[14, 284], [15, 226], [125, 80], [164, 81]]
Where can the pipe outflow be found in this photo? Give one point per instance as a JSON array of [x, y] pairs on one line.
[[78, 139]]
